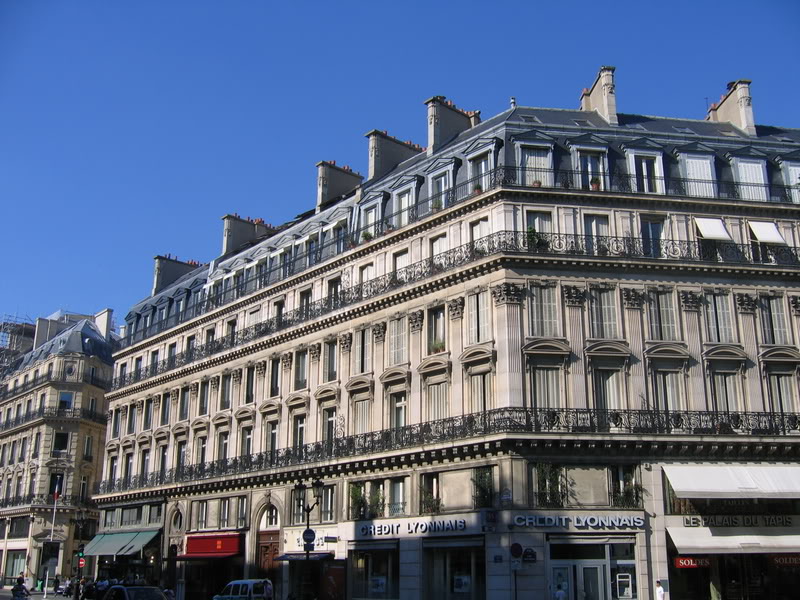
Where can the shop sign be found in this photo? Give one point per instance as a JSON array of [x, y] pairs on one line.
[[786, 560], [421, 526], [321, 538], [580, 522], [691, 562], [739, 521]]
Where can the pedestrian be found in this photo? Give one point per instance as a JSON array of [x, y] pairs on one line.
[[659, 591], [19, 591], [55, 585], [560, 594]]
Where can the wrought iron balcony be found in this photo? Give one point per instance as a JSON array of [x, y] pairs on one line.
[[54, 413], [396, 508], [46, 500], [502, 242], [496, 421], [556, 498], [629, 497], [87, 377]]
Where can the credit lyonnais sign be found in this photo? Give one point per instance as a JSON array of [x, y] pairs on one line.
[[739, 521], [580, 521]]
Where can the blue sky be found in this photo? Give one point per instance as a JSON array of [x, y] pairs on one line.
[[128, 128]]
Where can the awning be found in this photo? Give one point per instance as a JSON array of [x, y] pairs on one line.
[[731, 540], [302, 556], [206, 556], [767, 233], [138, 542], [734, 481], [107, 544], [713, 229]]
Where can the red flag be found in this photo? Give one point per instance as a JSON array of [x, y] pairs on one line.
[[57, 491]]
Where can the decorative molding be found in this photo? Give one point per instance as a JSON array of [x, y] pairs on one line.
[[156, 402], [174, 395], [379, 332], [214, 383], [140, 406], [794, 302], [573, 295], [632, 298], [261, 368], [286, 361], [456, 308], [746, 303], [123, 410], [415, 320], [507, 293], [690, 300], [236, 376], [346, 341], [193, 389], [314, 350]]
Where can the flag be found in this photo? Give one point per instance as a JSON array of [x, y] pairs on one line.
[[57, 491]]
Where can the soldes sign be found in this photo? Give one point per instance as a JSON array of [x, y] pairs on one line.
[[691, 562]]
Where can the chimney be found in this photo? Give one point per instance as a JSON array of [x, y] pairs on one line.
[[735, 107], [446, 121], [167, 270], [602, 96], [103, 322], [386, 152], [333, 181], [237, 231]]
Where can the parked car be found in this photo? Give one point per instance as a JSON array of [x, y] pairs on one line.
[[246, 589], [134, 592]]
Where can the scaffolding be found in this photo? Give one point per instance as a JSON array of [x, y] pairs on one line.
[[16, 338]]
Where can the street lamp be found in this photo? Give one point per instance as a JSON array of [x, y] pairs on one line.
[[308, 535]]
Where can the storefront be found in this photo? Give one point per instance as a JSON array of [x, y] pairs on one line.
[[733, 532], [130, 555], [210, 562], [320, 573]]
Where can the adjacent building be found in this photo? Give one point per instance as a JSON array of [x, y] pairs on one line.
[[52, 430], [555, 348]]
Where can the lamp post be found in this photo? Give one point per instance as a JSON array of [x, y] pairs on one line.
[[308, 535]]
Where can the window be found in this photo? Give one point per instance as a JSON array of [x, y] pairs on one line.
[[230, 329], [397, 341], [479, 229], [719, 320], [596, 230], [368, 224], [272, 436], [751, 176], [246, 445], [162, 459], [312, 250], [202, 403], [625, 491], [398, 405], [782, 391], [222, 445], [329, 361], [544, 315], [773, 320], [663, 320], [224, 512], [549, 485], [298, 432], [725, 390], [36, 442], [645, 173], [668, 390], [250, 385], [362, 351], [225, 391], [183, 404], [436, 334], [180, 454], [546, 386], [153, 361], [440, 184], [397, 497], [479, 317], [304, 304], [241, 512], [437, 401], [155, 513], [254, 317], [112, 468], [437, 251], [328, 424], [131, 419], [403, 206], [60, 444], [604, 313], [361, 416], [327, 504], [366, 273], [147, 422], [202, 514], [536, 167], [300, 370], [274, 377], [478, 392], [606, 389], [399, 264], [298, 504], [210, 335], [127, 467], [430, 500], [144, 463], [108, 518], [65, 400], [201, 444], [699, 170], [538, 222], [165, 409], [652, 231], [277, 312], [88, 447], [482, 487], [479, 171], [592, 170]]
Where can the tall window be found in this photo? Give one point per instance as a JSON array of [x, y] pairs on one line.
[[328, 424], [719, 319], [536, 167], [329, 361], [274, 377], [397, 341], [225, 391], [131, 419], [299, 431], [645, 174], [148, 414], [144, 463], [202, 401], [300, 369], [361, 416], [592, 170], [478, 392], [782, 391], [202, 514], [479, 171], [597, 231], [668, 389], [725, 390], [201, 450], [544, 315], [437, 401], [663, 320], [399, 263], [272, 436], [479, 229], [222, 445], [607, 391], [327, 504], [773, 320], [304, 304], [652, 230], [224, 512], [604, 313], [180, 454], [183, 404], [398, 404], [438, 249], [165, 409], [546, 386], [436, 333], [539, 222], [403, 204], [479, 318], [250, 385], [241, 516], [246, 442], [362, 351], [88, 450], [65, 400]]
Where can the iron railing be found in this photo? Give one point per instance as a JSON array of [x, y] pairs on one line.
[[396, 508], [87, 377], [628, 497], [55, 413], [496, 421], [502, 242], [45, 500]]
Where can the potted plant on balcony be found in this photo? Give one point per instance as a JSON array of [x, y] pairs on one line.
[[477, 189], [594, 183], [536, 241], [437, 347], [436, 204], [366, 236], [536, 183]]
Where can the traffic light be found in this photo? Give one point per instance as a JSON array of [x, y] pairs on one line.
[[80, 551]]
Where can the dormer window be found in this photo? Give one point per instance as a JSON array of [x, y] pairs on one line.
[[592, 168], [369, 219], [537, 166], [751, 177], [479, 168], [699, 173], [402, 204]]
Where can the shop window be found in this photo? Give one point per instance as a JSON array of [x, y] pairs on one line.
[[549, 485], [454, 572], [626, 491], [623, 571], [375, 573], [430, 498], [482, 487]]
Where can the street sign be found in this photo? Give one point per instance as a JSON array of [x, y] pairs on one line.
[[516, 550], [516, 564], [309, 536], [308, 547], [81, 562], [529, 555]]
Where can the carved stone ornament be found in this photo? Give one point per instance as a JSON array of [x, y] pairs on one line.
[[507, 293], [690, 300], [173, 395], [746, 303], [236, 375], [415, 320], [286, 361], [156, 401], [794, 302], [573, 295], [456, 308], [194, 388], [632, 297], [314, 350], [140, 406], [123, 410], [214, 383], [261, 367], [379, 332], [345, 341]]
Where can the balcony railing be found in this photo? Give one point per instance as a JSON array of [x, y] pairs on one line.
[[54, 413], [496, 421], [502, 242], [556, 498], [630, 497], [45, 500], [396, 508], [87, 377]]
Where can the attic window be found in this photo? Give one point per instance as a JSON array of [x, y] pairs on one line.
[[582, 123], [729, 133], [685, 130], [530, 119]]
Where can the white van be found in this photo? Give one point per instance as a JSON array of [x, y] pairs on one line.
[[246, 589]]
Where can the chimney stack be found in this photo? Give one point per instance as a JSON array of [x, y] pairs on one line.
[[333, 181], [602, 96], [735, 107], [167, 270], [386, 152], [446, 121], [103, 322], [237, 231]]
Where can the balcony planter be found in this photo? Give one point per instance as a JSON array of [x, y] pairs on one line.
[[366, 236], [537, 184], [477, 189], [594, 182], [436, 204]]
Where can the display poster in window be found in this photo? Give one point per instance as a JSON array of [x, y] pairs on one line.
[[624, 585], [462, 584], [377, 585], [561, 578]]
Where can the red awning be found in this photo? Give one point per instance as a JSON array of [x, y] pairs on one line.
[[206, 547], [206, 555]]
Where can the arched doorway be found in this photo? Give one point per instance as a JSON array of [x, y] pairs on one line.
[[269, 543]]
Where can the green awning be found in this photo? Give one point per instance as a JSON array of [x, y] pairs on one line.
[[138, 542], [118, 544]]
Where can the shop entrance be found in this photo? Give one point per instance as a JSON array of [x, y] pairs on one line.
[[580, 580], [592, 571]]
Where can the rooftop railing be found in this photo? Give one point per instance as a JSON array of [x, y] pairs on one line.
[[503, 242], [87, 377], [648, 423]]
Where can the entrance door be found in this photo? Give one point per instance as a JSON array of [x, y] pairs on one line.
[[579, 581], [591, 585], [268, 549]]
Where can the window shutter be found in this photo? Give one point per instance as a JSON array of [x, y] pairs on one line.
[[725, 318], [357, 352], [473, 334], [483, 317]]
